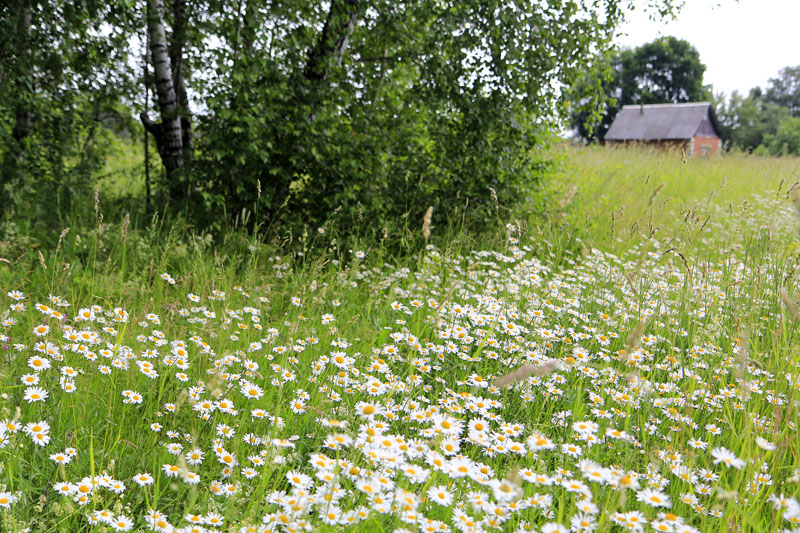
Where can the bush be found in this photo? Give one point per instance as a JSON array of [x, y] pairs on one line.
[[365, 170]]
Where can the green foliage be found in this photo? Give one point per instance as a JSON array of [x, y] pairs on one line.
[[432, 104], [347, 114], [667, 70], [57, 99], [785, 90], [786, 139], [747, 122]]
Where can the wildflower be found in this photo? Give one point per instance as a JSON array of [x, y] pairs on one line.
[[6, 499], [505, 491], [441, 495], [225, 431], [585, 426], [194, 457], [764, 444], [131, 397], [121, 523], [653, 498], [38, 363], [171, 470], [537, 442], [367, 410], [583, 522], [143, 479], [298, 479], [61, 458], [573, 450], [35, 394], [174, 448], [697, 443], [727, 457], [191, 478]]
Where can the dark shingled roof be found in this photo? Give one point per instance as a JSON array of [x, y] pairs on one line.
[[663, 121]]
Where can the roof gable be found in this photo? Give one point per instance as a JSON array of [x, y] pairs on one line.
[[663, 121]]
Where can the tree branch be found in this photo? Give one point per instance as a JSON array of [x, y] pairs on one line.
[[333, 40], [153, 128]]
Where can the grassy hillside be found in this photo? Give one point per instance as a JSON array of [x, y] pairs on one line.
[[589, 372]]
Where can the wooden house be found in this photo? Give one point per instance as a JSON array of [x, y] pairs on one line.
[[691, 127]]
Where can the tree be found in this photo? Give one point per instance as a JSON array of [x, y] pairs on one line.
[[667, 70], [747, 122], [63, 68], [173, 134], [785, 90], [371, 109], [786, 140], [380, 109]]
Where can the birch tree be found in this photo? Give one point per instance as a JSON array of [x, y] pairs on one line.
[[173, 132]]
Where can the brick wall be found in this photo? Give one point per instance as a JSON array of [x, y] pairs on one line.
[[706, 146]]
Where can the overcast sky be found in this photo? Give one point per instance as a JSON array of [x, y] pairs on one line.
[[742, 43]]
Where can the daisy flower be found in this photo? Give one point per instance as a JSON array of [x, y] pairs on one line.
[[653, 497], [143, 479], [441, 495], [61, 458], [6, 499], [727, 457], [367, 410], [764, 444], [35, 394], [194, 457], [537, 442], [121, 523]]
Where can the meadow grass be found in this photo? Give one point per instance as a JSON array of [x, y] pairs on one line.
[[615, 198], [583, 373]]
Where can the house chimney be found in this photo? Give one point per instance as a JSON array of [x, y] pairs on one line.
[[641, 109]]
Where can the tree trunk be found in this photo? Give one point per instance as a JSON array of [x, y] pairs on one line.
[[21, 79], [23, 120], [169, 132], [180, 73], [333, 40]]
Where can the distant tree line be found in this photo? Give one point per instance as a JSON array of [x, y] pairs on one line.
[[766, 121], [669, 70], [293, 113]]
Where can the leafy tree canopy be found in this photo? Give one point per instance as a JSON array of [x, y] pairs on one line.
[[667, 70], [747, 121], [785, 90], [292, 112]]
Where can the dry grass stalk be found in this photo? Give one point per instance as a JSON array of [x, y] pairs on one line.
[[523, 372], [125, 224], [426, 222], [568, 197], [791, 189], [634, 341], [790, 304]]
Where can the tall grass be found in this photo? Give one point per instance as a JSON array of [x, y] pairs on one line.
[[615, 197], [588, 371]]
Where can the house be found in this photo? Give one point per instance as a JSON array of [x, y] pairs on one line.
[[691, 127]]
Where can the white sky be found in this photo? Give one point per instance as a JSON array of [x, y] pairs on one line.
[[742, 43]]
